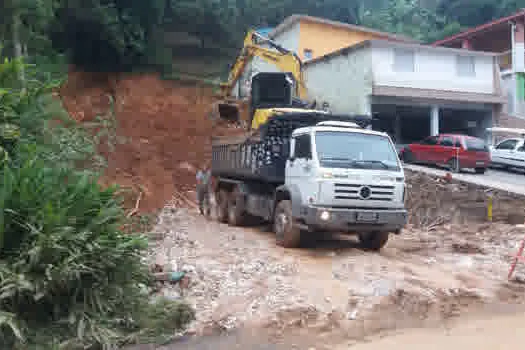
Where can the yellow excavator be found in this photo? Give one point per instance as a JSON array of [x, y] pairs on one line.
[[271, 93]]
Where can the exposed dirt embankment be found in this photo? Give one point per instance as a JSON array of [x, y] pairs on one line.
[[434, 200], [164, 124]]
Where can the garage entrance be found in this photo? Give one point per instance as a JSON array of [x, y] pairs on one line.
[[413, 122], [407, 122], [467, 122]]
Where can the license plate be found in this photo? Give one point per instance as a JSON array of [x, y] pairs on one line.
[[366, 217], [480, 163]]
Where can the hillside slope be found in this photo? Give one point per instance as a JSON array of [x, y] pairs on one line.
[[165, 123]]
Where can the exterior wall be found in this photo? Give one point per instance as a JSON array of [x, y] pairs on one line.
[[288, 39], [513, 86], [344, 82], [508, 83], [323, 39], [433, 69]]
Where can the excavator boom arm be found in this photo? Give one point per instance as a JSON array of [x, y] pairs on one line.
[[285, 60]]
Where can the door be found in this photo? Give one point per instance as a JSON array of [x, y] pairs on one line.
[[299, 167], [446, 150], [520, 154], [425, 151], [503, 153]]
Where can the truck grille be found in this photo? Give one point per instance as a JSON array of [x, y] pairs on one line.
[[364, 192]]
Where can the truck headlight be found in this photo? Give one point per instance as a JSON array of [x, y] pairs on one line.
[[325, 215]]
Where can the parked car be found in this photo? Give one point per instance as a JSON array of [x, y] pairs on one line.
[[454, 151], [509, 153]]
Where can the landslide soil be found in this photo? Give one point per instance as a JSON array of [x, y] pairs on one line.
[[165, 127]]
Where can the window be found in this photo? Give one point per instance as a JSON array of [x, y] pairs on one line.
[[521, 149], [466, 66], [431, 140], [336, 149], [447, 141], [403, 60], [475, 144], [507, 145], [458, 143], [303, 147], [308, 54]]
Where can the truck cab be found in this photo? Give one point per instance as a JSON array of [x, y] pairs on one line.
[[340, 177]]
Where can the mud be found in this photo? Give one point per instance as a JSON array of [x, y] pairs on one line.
[[332, 289]]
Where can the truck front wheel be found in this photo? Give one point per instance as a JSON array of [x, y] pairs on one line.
[[373, 240], [287, 235]]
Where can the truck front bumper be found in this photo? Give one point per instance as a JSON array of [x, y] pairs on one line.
[[354, 220]]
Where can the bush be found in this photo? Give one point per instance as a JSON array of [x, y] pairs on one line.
[[67, 272], [70, 278]]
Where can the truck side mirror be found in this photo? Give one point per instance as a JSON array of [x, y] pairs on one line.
[[291, 159]]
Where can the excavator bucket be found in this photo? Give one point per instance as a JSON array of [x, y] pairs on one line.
[[230, 111]]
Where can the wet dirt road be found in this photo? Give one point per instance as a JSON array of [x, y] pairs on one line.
[[481, 334], [333, 291]]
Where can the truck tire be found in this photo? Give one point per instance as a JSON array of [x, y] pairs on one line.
[[373, 241], [236, 214], [222, 206], [206, 207], [287, 235]]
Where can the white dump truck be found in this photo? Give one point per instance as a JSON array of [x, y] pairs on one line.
[[307, 171]]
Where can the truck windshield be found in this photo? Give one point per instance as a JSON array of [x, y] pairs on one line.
[[337, 149]]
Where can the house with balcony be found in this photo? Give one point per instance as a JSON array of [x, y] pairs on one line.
[[310, 37], [506, 37], [411, 90]]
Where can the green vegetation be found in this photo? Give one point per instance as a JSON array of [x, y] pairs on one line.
[[71, 268], [70, 277], [125, 35]]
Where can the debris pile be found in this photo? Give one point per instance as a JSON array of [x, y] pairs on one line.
[[433, 201]]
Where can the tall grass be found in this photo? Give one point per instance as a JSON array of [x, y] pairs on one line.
[[70, 278]]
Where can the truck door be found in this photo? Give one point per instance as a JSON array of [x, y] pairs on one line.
[[299, 167]]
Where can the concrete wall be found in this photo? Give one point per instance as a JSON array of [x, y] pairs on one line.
[[288, 39], [344, 82], [433, 69]]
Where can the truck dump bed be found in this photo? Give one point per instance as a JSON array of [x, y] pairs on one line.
[[262, 156]]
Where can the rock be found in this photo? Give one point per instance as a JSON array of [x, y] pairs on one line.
[[352, 315]]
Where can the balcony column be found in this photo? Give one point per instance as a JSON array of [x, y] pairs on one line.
[[518, 52], [397, 129], [434, 120]]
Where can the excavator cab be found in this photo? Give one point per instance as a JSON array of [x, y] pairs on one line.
[[269, 90]]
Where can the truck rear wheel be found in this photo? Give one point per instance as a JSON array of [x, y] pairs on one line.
[[373, 240], [287, 235], [222, 206], [236, 213]]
